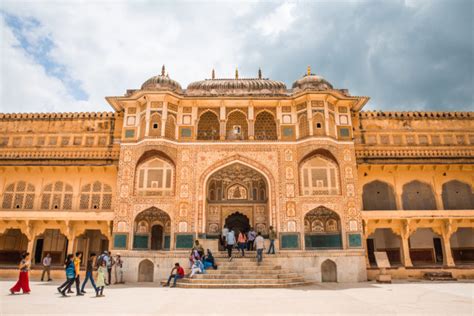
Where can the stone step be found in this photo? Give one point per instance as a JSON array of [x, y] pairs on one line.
[[245, 276], [439, 276], [241, 268], [248, 271], [240, 286], [241, 281], [245, 264]]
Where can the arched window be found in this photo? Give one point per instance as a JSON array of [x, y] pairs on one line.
[[152, 230], [265, 126], [208, 126], [457, 195], [155, 125], [322, 229], [303, 126], [170, 127], [319, 176], [96, 195], [418, 196], [19, 195], [378, 195], [318, 124], [57, 196], [237, 126], [155, 177]]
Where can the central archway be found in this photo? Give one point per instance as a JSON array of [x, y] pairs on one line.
[[152, 230], [236, 195]]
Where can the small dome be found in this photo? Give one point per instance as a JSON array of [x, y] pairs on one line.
[[244, 86], [161, 82], [312, 82]]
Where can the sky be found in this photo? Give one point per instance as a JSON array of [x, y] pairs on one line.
[[66, 56]]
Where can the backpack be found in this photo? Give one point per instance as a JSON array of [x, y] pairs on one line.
[[99, 261]]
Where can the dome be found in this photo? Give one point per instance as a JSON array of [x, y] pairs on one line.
[[161, 82], [237, 86], [312, 82]]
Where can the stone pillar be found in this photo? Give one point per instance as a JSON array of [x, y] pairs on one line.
[[70, 243], [164, 117], [147, 119], [251, 131], [439, 200], [446, 232], [222, 130], [309, 115], [398, 201], [405, 245], [29, 248]]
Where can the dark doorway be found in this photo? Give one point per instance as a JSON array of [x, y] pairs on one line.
[[370, 251], [39, 250], [157, 237], [238, 222], [438, 249], [328, 271]]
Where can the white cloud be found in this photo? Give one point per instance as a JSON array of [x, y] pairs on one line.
[[277, 21]]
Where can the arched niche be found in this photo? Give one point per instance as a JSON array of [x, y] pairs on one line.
[[152, 230], [328, 271], [378, 195], [146, 271], [418, 195], [322, 229], [457, 195]]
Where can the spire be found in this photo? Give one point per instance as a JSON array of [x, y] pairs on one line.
[[213, 74], [163, 70], [259, 73], [308, 71], [236, 73]]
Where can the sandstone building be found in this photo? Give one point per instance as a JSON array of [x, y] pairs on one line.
[[170, 165]]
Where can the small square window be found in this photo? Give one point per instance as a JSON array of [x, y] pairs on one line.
[[155, 125], [318, 125]]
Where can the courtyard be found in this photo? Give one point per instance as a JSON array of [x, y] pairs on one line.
[[368, 298]]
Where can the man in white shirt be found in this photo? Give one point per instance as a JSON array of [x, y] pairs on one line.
[[230, 239], [260, 246], [225, 231], [46, 267]]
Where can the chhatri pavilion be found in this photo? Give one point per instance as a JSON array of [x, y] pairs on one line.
[[169, 165]]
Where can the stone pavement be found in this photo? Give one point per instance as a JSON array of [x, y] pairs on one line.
[[409, 298]]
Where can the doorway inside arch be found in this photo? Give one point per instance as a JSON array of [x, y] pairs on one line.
[[157, 237], [238, 222]]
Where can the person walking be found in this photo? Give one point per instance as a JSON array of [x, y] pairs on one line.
[[176, 273], [230, 242], [46, 267], [251, 238], [70, 276], [100, 282], [23, 282], [224, 233], [110, 265], [118, 269], [89, 270], [260, 246], [242, 242], [272, 236], [77, 270]]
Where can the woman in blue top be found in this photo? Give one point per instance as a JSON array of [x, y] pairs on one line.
[[70, 274]]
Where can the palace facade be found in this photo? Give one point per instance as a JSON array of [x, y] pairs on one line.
[[169, 165]]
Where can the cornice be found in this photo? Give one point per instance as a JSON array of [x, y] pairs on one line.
[[414, 153], [415, 115], [64, 115], [60, 154]]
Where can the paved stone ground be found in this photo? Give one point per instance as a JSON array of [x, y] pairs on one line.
[[410, 298]]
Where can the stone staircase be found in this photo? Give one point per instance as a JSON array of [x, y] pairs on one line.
[[439, 276], [244, 273]]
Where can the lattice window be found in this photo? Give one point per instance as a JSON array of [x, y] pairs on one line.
[[265, 126], [236, 127], [318, 124], [208, 126], [155, 177], [322, 221], [95, 196], [170, 127], [19, 195], [57, 196], [319, 176], [155, 125], [303, 126]]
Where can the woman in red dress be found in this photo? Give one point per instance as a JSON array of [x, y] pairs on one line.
[[23, 281]]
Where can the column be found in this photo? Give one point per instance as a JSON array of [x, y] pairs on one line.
[[70, 243], [147, 118], [222, 120], [164, 116], [309, 115], [251, 122], [222, 130], [405, 245], [446, 233]]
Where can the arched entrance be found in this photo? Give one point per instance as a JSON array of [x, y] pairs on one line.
[[152, 230], [328, 271], [322, 229], [236, 195], [91, 241], [145, 271], [238, 222], [12, 244]]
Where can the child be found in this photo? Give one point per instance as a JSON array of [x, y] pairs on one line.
[[100, 282]]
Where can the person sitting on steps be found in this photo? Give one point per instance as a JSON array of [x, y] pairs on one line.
[[176, 273]]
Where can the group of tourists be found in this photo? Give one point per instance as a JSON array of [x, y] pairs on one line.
[[249, 240], [104, 264]]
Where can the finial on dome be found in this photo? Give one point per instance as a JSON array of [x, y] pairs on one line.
[[163, 70], [213, 74], [308, 71], [236, 73], [259, 73]]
